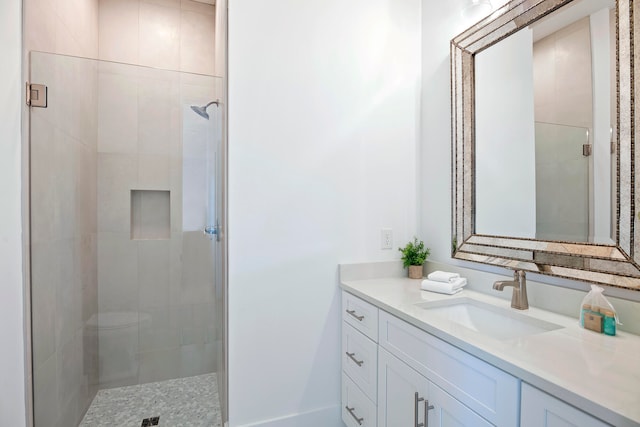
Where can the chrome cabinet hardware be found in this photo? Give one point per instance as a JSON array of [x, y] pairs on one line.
[[355, 417], [353, 313], [351, 356], [427, 408], [417, 399]]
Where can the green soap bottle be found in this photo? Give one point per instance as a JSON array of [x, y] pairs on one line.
[[609, 323]]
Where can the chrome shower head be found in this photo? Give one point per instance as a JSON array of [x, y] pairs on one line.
[[202, 111]]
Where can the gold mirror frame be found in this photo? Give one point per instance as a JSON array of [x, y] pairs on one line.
[[614, 265]]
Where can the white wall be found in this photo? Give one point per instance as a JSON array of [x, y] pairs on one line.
[[323, 127], [12, 367], [505, 136]]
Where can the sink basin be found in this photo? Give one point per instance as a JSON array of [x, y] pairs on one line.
[[496, 322]]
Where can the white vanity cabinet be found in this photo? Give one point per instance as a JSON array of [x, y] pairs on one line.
[[386, 361], [540, 409], [359, 362], [475, 391], [406, 398]]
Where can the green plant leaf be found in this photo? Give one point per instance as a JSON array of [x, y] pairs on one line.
[[414, 253]]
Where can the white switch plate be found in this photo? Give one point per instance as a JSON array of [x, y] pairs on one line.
[[386, 238]]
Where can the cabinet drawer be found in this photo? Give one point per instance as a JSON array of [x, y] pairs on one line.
[[360, 360], [361, 315], [540, 409], [357, 409], [487, 390]]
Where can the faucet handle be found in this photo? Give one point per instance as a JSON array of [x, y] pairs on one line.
[[519, 299]]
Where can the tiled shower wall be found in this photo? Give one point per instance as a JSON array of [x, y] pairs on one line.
[[64, 286], [163, 283], [144, 121], [175, 333], [167, 34]]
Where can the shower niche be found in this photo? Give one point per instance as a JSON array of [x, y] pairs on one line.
[[150, 214]]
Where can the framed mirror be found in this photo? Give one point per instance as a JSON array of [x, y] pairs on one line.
[[543, 141]]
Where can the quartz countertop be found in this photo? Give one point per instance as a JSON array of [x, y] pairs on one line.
[[597, 373]]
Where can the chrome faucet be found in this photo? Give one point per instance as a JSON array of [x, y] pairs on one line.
[[519, 298]]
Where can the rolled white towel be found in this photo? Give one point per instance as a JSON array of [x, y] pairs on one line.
[[442, 287], [442, 276]]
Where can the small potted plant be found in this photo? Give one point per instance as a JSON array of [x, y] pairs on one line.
[[413, 256]]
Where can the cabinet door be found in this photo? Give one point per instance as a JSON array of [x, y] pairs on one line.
[[398, 384], [449, 412], [538, 409]]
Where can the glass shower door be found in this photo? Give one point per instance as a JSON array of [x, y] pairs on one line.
[[125, 302], [562, 183]]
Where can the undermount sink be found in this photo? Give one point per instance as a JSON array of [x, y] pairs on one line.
[[496, 322]]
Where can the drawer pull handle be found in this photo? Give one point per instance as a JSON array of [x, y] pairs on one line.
[[427, 408], [353, 313], [352, 412], [417, 399], [351, 356]]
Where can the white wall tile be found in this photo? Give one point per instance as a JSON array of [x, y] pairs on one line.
[[199, 7], [174, 4], [161, 331], [45, 390], [41, 35], [197, 359], [44, 158], [66, 181], [66, 43], [69, 372], [197, 43], [117, 175], [175, 268], [153, 273], [159, 365], [119, 30], [159, 114], [118, 110], [86, 190], [175, 186], [153, 172], [68, 295], [197, 269], [117, 272], [80, 18], [45, 276], [118, 357], [159, 36]]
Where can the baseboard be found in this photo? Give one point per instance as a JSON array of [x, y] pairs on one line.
[[322, 417]]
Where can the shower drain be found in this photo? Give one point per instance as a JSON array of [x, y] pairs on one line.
[[153, 421]]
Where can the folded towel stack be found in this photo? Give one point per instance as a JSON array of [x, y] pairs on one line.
[[444, 282]]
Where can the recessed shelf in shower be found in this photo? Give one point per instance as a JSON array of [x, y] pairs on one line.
[[150, 214]]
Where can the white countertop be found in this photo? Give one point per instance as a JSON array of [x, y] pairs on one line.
[[594, 372]]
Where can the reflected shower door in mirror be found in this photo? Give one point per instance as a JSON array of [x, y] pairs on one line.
[[545, 124]]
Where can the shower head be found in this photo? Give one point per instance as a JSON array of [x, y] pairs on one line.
[[202, 111]]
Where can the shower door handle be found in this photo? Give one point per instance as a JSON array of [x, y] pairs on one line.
[[213, 231]]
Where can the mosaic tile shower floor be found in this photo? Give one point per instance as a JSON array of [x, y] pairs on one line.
[[183, 402]]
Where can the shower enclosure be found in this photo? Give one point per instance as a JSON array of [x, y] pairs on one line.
[[125, 195]]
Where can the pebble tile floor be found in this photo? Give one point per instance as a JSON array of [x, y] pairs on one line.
[[188, 402]]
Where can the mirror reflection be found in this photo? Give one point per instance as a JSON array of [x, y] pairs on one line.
[[545, 106]]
